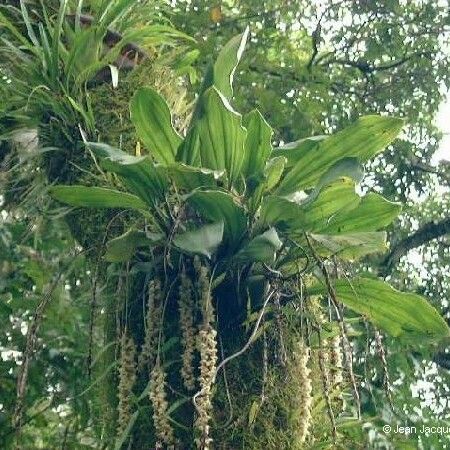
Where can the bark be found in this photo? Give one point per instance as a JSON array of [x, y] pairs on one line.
[[428, 232]]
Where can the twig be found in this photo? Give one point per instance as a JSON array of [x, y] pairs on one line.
[[31, 338], [93, 302], [227, 388], [325, 388], [386, 378], [252, 337], [345, 341]]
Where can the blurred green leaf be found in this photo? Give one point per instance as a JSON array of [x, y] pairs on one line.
[[372, 213], [190, 178], [220, 206], [403, 315], [124, 247], [362, 140], [350, 245], [258, 144], [313, 216], [203, 240], [120, 440], [138, 173], [261, 248], [96, 197], [217, 139]]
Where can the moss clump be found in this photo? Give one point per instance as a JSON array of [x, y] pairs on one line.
[[111, 105], [257, 413]]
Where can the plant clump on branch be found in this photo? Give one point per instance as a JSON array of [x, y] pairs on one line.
[[257, 222]]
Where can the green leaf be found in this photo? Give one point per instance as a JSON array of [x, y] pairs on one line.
[[350, 246], [204, 240], [138, 173], [363, 140], [311, 216], [345, 167], [220, 74], [372, 213], [189, 150], [217, 140], [219, 206], [292, 151], [259, 184], [227, 61], [96, 197], [262, 248], [190, 178], [151, 117], [273, 171], [123, 248], [403, 315], [163, 34], [258, 144]]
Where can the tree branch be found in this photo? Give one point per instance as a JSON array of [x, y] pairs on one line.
[[365, 67], [428, 232]]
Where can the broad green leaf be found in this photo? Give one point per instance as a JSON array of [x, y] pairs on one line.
[[190, 178], [151, 117], [273, 171], [227, 61], [204, 240], [218, 138], [259, 184], [345, 167], [350, 245], [189, 150], [123, 248], [262, 248], [311, 216], [220, 74], [96, 197], [403, 315], [373, 213], [292, 151], [138, 173], [219, 206], [363, 140], [258, 144]]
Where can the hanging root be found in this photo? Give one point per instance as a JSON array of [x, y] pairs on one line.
[[324, 361], [336, 372], [336, 363], [153, 317], [279, 323], [127, 378], [386, 379], [346, 346], [301, 392], [208, 360], [163, 429], [186, 309], [348, 353]]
